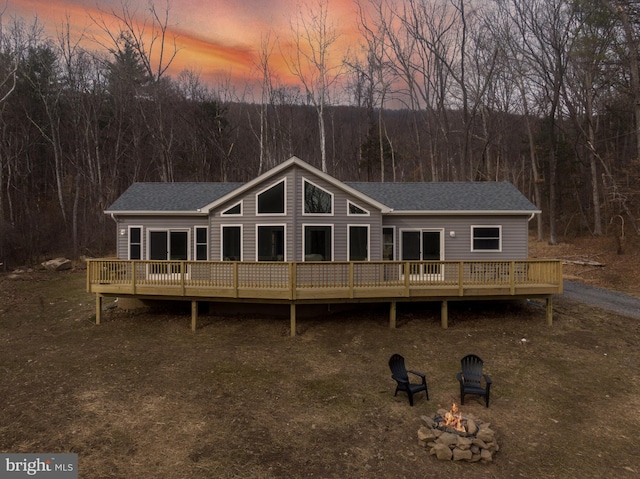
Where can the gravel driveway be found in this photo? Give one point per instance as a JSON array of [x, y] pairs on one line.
[[602, 298]]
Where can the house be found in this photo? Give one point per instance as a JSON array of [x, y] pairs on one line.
[[295, 212], [297, 235]]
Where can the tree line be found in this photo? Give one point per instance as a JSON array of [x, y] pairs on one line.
[[541, 93]]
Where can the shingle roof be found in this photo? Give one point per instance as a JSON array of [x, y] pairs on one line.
[[187, 197], [447, 196], [442, 197]]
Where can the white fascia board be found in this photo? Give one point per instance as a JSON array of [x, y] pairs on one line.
[[465, 212], [156, 213]]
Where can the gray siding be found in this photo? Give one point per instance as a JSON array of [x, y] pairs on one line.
[[295, 220], [156, 222], [515, 234], [514, 227]]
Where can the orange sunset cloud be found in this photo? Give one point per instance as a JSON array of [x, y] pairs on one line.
[[216, 38]]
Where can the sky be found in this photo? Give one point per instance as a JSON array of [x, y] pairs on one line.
[[219, 39]]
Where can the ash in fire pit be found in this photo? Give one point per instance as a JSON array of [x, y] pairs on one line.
[[451, 436]]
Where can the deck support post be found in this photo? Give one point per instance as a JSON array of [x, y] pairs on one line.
[[444, 314], [292, 318], [549, 310], [98, 307], [194, 315], [392, 315]]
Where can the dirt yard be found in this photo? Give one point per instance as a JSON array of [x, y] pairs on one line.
[[141, 396]]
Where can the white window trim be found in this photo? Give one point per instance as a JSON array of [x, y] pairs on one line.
[[499, 250], [333, 206], [421, 230], [222, 227], [330, 225], [368, 226], [394, 241], [366, 211], [284, 226], [224, 213], [196, 244], [142, 246], [169, 231], [272, 185]]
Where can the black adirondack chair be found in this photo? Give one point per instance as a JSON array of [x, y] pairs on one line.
[[400, 376], [471, 377]]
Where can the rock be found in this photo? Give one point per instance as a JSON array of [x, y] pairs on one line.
[[463, 443], [485, 434], [442, 452], [447, 439], [57, 264], [425, 434], [481, 444], [460, 455], [427, 421], [486, 455], [471, 426]]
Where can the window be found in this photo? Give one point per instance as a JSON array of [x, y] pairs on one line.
[[231, 243], [317, 243], [316, 200], [271, 200], [359, 243], [271, 243], [235, 210], [353, 209], [486, 238], [388, 246], [202, 253], [135, 242]]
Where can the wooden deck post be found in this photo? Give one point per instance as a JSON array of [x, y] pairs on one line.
[[194, 315], [444, 314], [292, 317], [392, 315], [550, 310], [98, 307]]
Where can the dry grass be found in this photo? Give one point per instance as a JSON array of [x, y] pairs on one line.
[[142, 396]]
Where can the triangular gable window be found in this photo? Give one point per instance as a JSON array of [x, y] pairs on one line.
[[353, 209], [235, 210]]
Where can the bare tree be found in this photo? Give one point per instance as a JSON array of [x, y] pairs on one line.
[[314, 38]]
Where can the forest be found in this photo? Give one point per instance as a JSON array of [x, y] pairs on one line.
[[544, 94]]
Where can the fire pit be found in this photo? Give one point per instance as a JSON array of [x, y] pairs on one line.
[[450, 436]]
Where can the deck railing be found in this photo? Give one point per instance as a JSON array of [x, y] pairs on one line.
[[308, 280]]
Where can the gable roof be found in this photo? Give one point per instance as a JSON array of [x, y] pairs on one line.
[[169, 198], [449, 197], [390, 198], [294, 160]]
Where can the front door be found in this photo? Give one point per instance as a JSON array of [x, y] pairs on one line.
[[422, 245]]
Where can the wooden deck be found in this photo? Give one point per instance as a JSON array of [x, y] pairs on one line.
[[329, 282]]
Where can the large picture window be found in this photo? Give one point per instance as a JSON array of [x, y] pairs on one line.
[[231, 243], [271, 201], [317, 201], [359, 243], [486, 238], [317, 243], [271, 243]]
